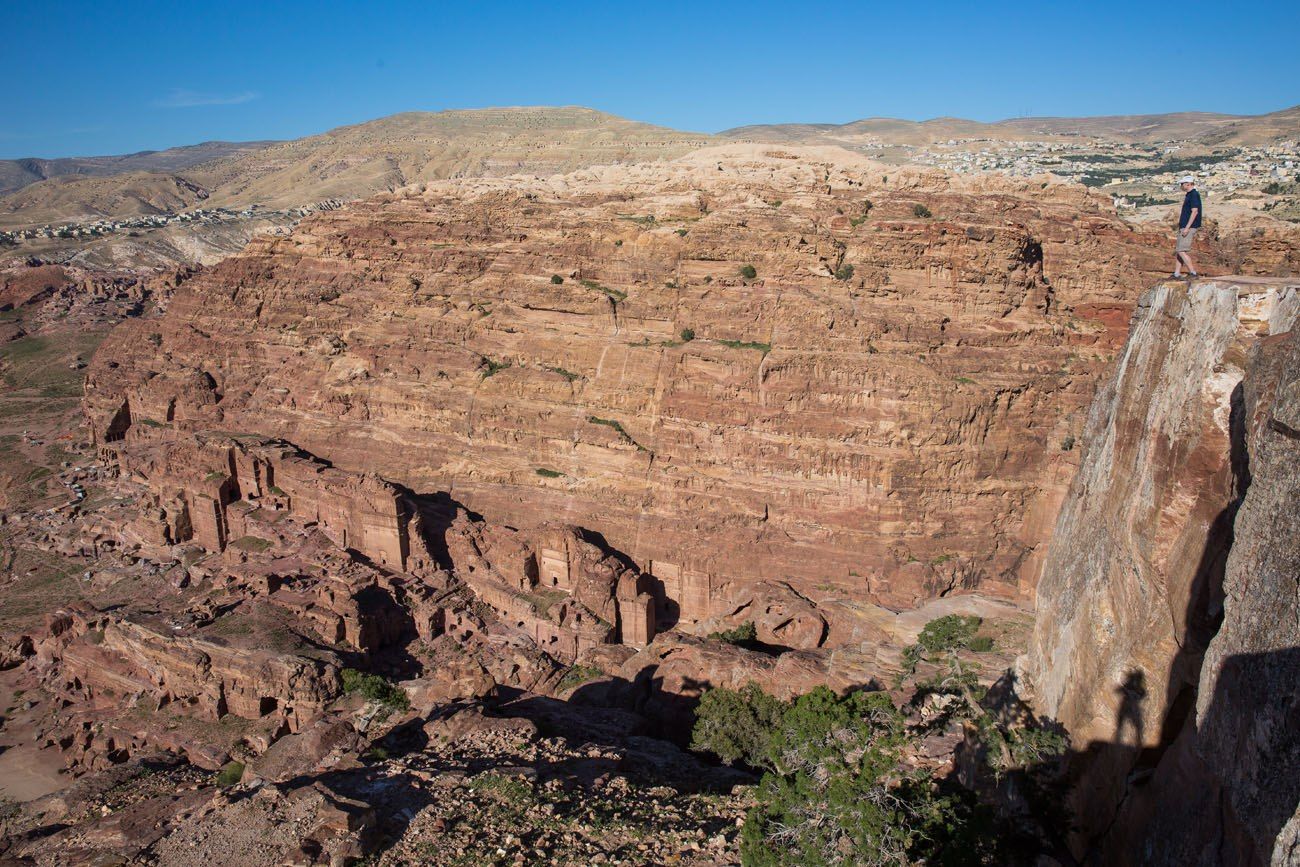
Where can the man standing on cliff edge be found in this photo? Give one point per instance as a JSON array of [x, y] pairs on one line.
[[1188, 222]]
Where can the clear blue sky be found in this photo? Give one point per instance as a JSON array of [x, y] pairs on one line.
[[114, 77]]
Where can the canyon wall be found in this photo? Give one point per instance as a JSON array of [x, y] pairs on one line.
[[1167, 608], [750, 363]]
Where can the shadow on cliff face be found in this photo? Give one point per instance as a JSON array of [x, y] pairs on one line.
[[1176, 812], [437, 511], [1204, 614], [1110, 777], [1253, 726]]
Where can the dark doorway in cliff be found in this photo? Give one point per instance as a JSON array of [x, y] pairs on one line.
[[1030, 253], [437, 512], [118, 426]]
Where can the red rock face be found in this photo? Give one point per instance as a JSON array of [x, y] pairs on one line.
[[1134, 582], [890, 433]]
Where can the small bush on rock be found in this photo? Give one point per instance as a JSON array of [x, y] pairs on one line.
[[952, 632], [230, 774], [838, 790], [744, 635], [375, 689]]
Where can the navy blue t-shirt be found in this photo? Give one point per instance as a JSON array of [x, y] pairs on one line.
[[1191, 200]]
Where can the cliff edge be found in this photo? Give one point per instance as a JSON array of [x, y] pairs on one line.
[[1167, 613]]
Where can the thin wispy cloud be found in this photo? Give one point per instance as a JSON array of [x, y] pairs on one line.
[[182, 98], [6, 135]]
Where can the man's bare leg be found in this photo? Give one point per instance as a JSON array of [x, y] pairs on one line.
[[1186, 259]]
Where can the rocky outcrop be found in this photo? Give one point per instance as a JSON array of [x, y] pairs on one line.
[[1151, 554], [1229, 788], [885, 409], [207, 485]]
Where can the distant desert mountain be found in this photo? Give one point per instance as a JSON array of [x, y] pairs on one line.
[[1208, 128], [353, 162], [16, 174], [72, 199]]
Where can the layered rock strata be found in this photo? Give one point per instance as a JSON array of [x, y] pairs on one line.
[[750, 363], [1150, 555]]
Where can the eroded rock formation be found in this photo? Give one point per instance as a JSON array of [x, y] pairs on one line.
[[885, 410]]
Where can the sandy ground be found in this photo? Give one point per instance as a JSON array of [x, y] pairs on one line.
[[26, 773]]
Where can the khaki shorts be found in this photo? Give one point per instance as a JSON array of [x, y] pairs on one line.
[[1184, 244]]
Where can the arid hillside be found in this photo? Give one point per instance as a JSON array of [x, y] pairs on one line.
[[16, 174], [1203, 127], [357, 161]]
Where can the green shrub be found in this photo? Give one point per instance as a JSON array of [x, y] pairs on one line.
[[749, 272], [230, 774], [953, 632], [922, 211], [491, 367], [375, 688], [548, 474], [844, 272], [747, 344], [681, 233], [744, 635], [556, 279], [567, 374], [737, 725], [687, 334], [614, 294], [577, 675], [617, 426], [837, 790], [981, 644], [1067, 444]]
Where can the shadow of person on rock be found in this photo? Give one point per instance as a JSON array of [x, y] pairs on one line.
[[1133, 694]]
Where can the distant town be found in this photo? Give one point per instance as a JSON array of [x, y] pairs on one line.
[[1135, 176], [146, 222]]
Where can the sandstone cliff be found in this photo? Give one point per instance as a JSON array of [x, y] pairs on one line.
[[1153, 551], [885, 410]]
